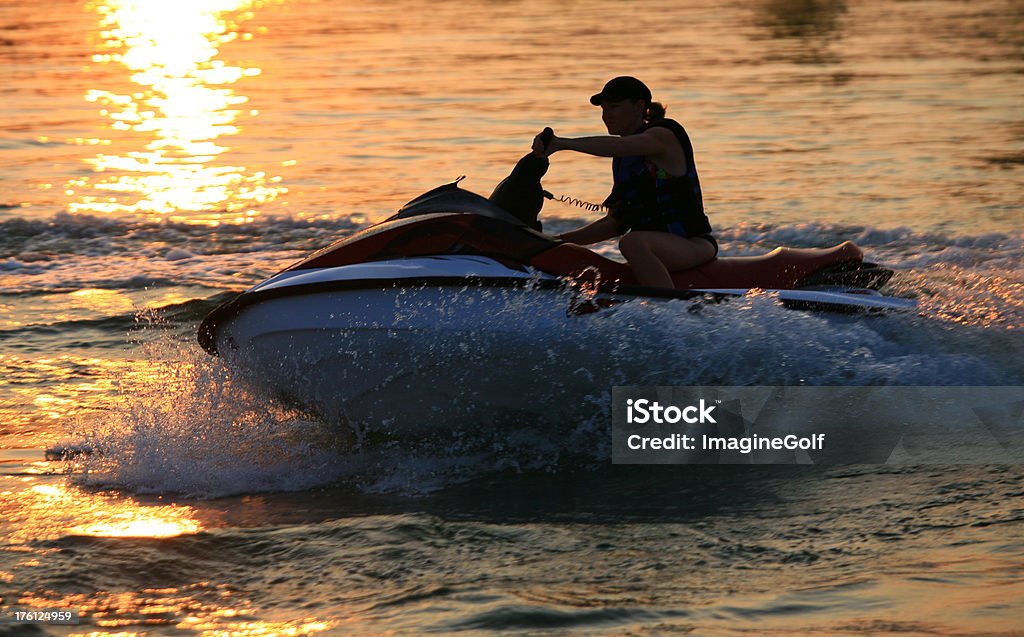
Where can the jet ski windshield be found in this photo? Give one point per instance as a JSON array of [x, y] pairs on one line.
[[451, 198], [518, 199]]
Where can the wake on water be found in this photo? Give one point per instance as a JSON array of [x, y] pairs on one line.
[[182, 424]]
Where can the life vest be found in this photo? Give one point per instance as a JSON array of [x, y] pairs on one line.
[[643, 197]]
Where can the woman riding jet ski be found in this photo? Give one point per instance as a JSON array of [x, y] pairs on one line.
[[656, 203], [405, 322]]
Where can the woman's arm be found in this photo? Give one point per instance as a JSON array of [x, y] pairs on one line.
[[601, 230], [651, 142]]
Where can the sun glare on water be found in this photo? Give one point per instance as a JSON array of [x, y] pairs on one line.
[[166, 152], [103, 515]]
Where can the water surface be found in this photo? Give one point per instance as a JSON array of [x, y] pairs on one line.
[[158, 158]]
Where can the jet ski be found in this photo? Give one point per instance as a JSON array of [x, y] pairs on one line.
[[367, 328]]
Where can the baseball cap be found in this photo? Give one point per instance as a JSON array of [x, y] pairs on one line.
[[622, 88]]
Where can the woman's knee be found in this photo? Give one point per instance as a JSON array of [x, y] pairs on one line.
[[632, 244]]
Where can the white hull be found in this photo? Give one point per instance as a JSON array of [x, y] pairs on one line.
[[406, 360]]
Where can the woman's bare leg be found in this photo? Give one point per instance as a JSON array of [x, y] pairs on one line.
[[653, 255]]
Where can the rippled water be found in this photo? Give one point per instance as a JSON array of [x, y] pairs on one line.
[[893, 113], [160, 157]]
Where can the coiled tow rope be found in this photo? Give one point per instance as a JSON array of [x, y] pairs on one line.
[[573, 201]]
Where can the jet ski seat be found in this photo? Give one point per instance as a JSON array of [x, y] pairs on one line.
[[781, 268]]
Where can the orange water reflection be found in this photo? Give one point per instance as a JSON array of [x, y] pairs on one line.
[[186, 608], [33, 510], [45, 511], [168, 127]]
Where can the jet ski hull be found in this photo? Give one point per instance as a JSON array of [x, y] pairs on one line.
[[411, 360], [421, 344]]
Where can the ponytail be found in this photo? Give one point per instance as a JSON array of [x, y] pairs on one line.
[[655, 110]]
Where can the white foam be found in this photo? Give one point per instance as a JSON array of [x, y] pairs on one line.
[[185, 426]]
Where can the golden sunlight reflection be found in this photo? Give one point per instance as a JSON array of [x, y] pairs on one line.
[[52, 510], [168, 129], [110, 302], [257, 628], [163, 607], [49, 395]]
